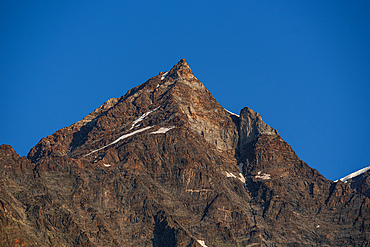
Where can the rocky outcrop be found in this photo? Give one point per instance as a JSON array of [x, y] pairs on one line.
[[252, 126], [166, 165]]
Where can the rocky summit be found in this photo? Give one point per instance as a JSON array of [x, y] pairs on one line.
[[167, 165]]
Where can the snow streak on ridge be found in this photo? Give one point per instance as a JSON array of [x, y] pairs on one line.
[[162, 130], [202, 243], [121, 138], [164, 75], [354, 174], [231, 113], [141, 118]]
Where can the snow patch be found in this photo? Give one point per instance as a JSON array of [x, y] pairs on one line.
[[230, 175], [141, 118], [231, 113], [162, 130], [120, 138], [106, 165], [263, 176], [354, 174], [163, 76], [202, 243], [241, 178]]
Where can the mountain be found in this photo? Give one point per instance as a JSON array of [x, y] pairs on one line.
[[166, 165]]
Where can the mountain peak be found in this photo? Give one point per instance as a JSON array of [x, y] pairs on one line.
[[181, 65], [182, 62], [181, 70]]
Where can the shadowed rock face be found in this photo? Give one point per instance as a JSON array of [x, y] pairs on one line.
[[166, 165], [361, 183]]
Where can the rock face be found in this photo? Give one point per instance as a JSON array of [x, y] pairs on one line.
[[252, 126], [359, 180], [361, 183], [166, 165]]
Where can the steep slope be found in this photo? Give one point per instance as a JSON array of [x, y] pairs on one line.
[[166, 165], [361, 183]]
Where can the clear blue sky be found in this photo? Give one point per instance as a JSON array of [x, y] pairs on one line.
[[303, 65]]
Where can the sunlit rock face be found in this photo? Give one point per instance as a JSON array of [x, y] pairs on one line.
[[166, 165]]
